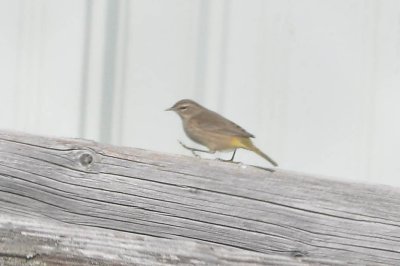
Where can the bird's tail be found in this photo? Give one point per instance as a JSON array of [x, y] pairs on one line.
[[248, 144], [266, 157]]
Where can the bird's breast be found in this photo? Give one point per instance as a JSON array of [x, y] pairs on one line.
[[212, 140]]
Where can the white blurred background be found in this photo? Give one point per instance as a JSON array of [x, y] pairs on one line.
[[317, 82]]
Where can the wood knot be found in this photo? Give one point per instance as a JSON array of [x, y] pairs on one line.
[[85, 159]]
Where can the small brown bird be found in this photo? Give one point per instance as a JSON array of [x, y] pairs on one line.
[[213, 130]]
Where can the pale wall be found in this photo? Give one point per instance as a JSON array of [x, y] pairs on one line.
[[318, 82]]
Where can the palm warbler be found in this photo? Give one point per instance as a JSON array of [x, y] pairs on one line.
[[213, 130]]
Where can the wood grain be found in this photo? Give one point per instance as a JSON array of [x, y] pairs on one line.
[[124, 206]]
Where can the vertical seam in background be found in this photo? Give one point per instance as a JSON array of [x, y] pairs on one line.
[[40, 94], [108, 80], [85, 69], [223, 53], [122, 96], [18, 67], [281, 110], [371, 93], [201, 50]]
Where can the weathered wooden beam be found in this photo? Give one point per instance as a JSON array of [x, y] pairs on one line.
[[33, 241], [83, 202]]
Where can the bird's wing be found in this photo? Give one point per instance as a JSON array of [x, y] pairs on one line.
[[213, 122]]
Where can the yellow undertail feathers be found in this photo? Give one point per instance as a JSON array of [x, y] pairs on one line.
[[246, 143]]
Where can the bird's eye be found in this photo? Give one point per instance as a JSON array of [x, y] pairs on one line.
[[183, 108]]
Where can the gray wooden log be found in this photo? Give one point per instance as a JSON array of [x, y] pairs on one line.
[[79, 202]]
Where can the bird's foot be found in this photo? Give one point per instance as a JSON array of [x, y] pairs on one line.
[[183, 145], [227, 161], [195, 154], [192, 150]]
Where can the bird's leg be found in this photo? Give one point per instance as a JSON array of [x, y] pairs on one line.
[[193, 150], [233, 156], [231, 159]]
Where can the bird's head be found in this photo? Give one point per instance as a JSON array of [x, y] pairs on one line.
[[186, 108]]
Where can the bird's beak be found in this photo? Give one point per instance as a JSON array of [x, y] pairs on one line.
[[169, 109]]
